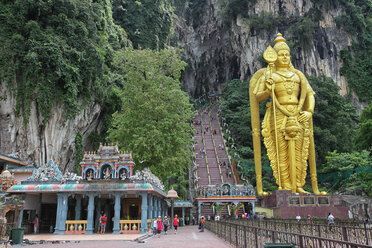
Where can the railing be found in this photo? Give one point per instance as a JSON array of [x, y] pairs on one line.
[[75, 226], [236, 176], [204, 148], [214, 144], [346, 231], [201, 112], [133, 226], [251, 236]]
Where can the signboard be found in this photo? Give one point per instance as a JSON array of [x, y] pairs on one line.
[[309, 200], [294, 200], [323, 200]]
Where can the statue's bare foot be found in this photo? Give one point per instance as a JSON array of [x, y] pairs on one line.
[[301, 191], [262, 193]]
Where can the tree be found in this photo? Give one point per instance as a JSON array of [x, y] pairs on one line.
[[335, 118], [154, 121], [347, 172], [363, 139]]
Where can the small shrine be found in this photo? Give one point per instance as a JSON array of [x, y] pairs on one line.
[[6, 180], [72, 204], [107, 163]]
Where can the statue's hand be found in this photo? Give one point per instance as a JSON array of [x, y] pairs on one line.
[[304, 116]]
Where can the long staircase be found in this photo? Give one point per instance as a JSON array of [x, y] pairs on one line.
[[212, 161]]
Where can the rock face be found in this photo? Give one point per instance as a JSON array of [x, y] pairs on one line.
[[38, 142], [216, 53]]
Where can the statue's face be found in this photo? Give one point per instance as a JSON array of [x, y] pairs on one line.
[[284, 58]]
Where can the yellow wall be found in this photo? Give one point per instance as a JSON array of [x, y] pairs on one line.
[[267, 212]]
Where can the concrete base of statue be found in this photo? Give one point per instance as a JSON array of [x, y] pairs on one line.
[[287, 205]]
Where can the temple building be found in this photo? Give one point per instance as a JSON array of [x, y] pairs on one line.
[[73, 204]]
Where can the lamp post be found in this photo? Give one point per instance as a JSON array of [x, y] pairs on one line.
[[172, 194]]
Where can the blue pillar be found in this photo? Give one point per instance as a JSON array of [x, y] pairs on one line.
[[153, 207], [144, 212], [183, 216], [89, 229], [62, 209], [199, 211], [97, 208], [38, 211], [253, 210], [158, 205], [116, 228], [77, 207], [20, 219], [150, 207]]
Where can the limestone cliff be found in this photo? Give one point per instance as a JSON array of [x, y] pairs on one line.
[[217, 53], [38, 142]]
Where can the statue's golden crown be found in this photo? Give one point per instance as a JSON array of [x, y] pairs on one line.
[[279, 43]]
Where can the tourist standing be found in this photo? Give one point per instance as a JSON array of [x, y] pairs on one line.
[[175, 223], [202, 224], [298, 218], [160, 225], [36, 223], [166, 224], [331, 221], [309, 220], [154, 226], [103, 223]]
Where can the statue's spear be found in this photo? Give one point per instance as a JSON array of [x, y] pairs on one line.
[[270, 56]]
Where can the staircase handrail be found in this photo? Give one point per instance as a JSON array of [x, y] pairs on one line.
[[224, 144], [214, 144], [204, 148]]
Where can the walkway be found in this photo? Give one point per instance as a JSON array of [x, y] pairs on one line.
[[188, 236]]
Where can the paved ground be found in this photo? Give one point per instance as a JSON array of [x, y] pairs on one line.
[[83, 237], [188, 237]]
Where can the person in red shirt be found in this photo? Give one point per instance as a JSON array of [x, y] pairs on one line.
[[103, 223], [175, 223], [36, 224], [160, 225]]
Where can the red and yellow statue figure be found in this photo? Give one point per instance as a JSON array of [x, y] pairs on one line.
[[287, 127]]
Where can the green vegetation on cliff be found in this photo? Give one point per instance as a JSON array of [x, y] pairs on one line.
[[57, 51], [147, 22]]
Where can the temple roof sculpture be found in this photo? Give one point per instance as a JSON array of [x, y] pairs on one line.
[[47, 172]]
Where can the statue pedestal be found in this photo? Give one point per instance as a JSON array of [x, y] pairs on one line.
[[287, 205]]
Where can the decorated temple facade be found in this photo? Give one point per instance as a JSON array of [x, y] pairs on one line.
[[72, 204]]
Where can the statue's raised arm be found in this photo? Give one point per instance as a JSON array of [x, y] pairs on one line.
[[287, 127]]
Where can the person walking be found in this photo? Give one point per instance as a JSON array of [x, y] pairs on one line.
[[160, 225], [166, 225], [154, 226], [202, 224], [36, 223], [175, 223]]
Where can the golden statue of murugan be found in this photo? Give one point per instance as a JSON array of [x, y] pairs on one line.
[[287, 127]]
